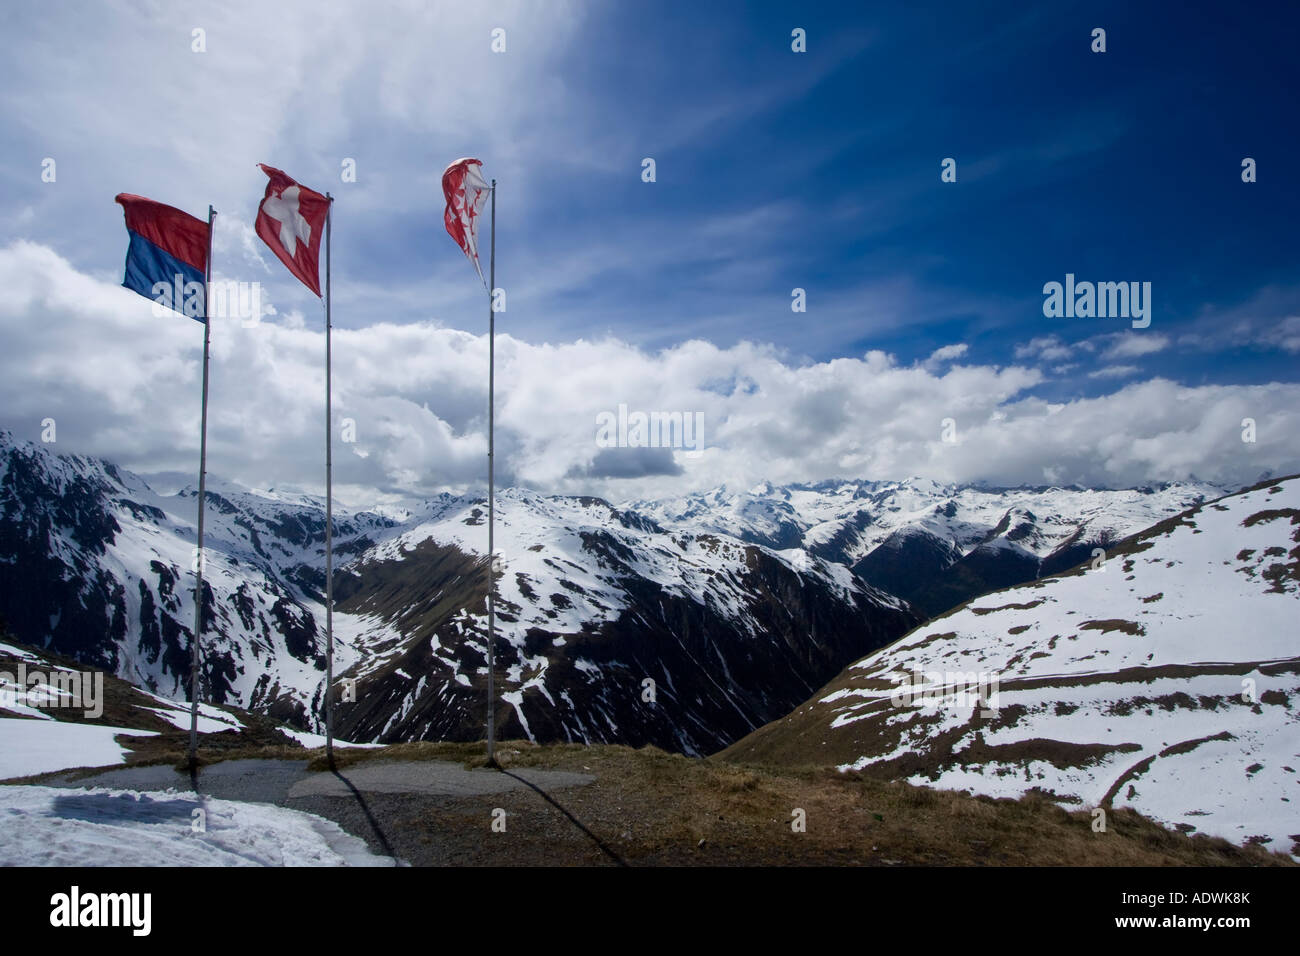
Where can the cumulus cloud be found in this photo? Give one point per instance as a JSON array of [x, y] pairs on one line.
[[124, 384]]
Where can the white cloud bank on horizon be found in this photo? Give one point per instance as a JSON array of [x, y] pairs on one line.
[[124, 385]]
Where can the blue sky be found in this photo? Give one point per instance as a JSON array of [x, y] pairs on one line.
[[775, 170], [1123, 165]]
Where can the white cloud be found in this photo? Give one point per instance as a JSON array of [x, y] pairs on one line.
[[276, 78], [1048, 348], [1115, 371], [1269, 319], [1134, 344], [947, 353], [124, 384], [1284, 334]]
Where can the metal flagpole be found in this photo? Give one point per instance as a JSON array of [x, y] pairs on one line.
[[492, 332], [329, 508], [203, 474]]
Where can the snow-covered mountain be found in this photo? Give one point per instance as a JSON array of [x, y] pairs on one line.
[[612, 628], [593, 602], [95, 565], [933, 545], [684, 623], [1165, 679]]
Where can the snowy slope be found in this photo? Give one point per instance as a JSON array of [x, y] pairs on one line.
[[47, 826], [95, 565], [32, 746], [51, 721], [1166, 679]]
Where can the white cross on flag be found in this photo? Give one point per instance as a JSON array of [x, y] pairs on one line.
[[467, 192], [291, 221]]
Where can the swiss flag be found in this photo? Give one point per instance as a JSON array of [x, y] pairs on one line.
[[291, 220]]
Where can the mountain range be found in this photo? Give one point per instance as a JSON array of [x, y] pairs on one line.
[[685, 623]]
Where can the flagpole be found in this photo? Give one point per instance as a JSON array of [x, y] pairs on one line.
[[491, 603], [203, 474], [329, 507]]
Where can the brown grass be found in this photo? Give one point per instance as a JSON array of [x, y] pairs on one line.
[[651, 807]]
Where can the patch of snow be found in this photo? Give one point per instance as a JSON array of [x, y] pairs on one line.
[[48, 826], [42, 746]]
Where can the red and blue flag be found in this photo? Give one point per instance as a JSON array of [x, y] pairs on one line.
[[167, 258]]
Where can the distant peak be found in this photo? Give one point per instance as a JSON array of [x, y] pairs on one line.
[[925, 485]]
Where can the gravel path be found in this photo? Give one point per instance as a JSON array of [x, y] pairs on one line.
[[389, 804]]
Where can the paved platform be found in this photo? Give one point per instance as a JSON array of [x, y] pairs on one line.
[[279, 781]]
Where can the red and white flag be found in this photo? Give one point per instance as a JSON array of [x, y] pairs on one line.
[[467, 192], [291, 220]]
